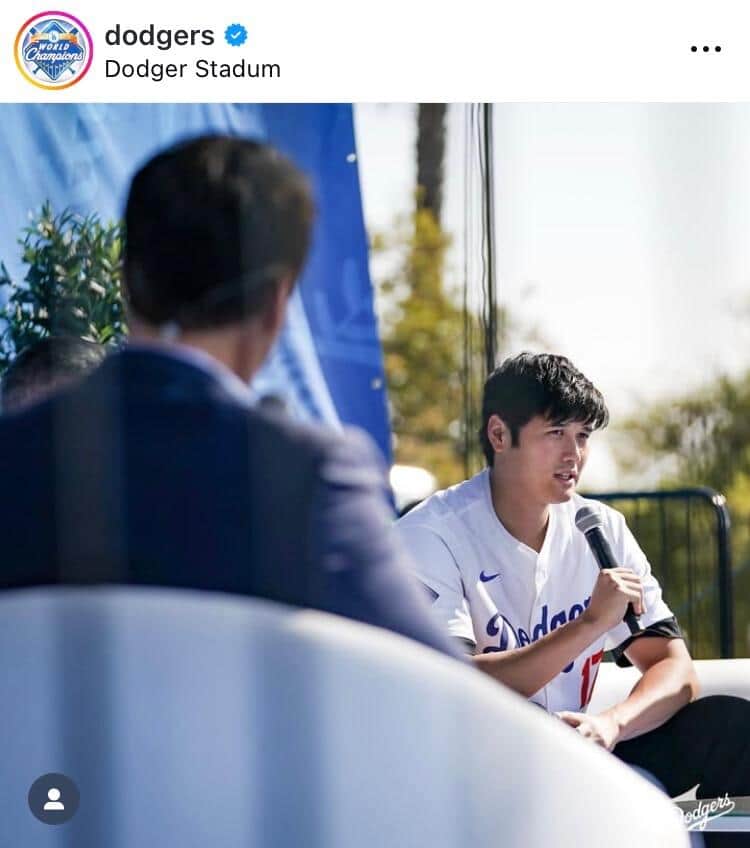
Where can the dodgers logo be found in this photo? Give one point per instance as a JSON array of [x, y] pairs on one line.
[[53, 50], [508, 636], [511, 638]]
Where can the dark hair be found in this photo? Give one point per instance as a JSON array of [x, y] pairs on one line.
[[212, 225], [46, 365], [539, 384]]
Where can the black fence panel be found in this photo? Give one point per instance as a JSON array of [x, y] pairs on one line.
[[685, 535]]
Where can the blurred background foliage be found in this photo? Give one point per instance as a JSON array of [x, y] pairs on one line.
[[700, 438], [433, 325], [71, 284], [423, 327]]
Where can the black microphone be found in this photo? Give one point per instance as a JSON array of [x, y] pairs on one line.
[[589, 522]]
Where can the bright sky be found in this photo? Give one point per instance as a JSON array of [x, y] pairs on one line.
[[623, 233]]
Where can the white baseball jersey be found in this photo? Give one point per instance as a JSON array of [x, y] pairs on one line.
[[500, 594]]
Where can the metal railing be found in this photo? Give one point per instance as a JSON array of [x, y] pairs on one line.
[[685, 535]]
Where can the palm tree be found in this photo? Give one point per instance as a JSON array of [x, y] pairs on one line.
[[430, 156]]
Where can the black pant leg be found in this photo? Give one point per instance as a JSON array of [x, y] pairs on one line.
[[705, 743]]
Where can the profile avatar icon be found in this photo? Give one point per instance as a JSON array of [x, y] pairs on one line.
[[46, 796], [54, 802]]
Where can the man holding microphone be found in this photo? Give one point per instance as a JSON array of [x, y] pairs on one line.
[[513, 579]]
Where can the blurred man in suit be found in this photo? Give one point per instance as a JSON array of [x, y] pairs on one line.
[[157, 469]]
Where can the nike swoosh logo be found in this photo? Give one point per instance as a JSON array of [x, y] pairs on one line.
[[485, 578]]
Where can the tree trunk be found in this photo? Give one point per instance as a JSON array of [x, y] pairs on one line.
[[430, 155]]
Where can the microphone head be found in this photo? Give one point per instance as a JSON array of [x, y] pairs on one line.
[[587, 518]]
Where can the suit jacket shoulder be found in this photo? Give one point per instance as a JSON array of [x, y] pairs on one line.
[[150, 472]]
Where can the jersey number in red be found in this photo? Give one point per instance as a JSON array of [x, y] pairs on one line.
[[588, 677]]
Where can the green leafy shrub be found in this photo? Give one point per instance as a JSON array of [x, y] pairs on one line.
[[71, 285]]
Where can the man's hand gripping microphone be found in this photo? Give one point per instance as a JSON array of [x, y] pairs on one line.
[[589, 522]]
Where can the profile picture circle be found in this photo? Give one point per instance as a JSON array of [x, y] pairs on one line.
[[53, 50], [54, 798]]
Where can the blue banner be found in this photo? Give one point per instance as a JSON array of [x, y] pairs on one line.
[[327, 365]]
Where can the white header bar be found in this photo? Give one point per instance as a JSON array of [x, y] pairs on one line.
[[383, 50]]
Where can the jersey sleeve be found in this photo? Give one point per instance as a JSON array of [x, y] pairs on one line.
[[437, 571], [629, 555], [666, 629]]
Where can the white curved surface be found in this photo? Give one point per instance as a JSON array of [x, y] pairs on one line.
[[197, 719], [716, 677]]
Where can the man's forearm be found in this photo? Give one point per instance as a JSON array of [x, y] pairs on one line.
[[664, 688], [526, 670]]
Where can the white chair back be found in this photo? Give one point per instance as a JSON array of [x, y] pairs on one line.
[[194, 720]]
